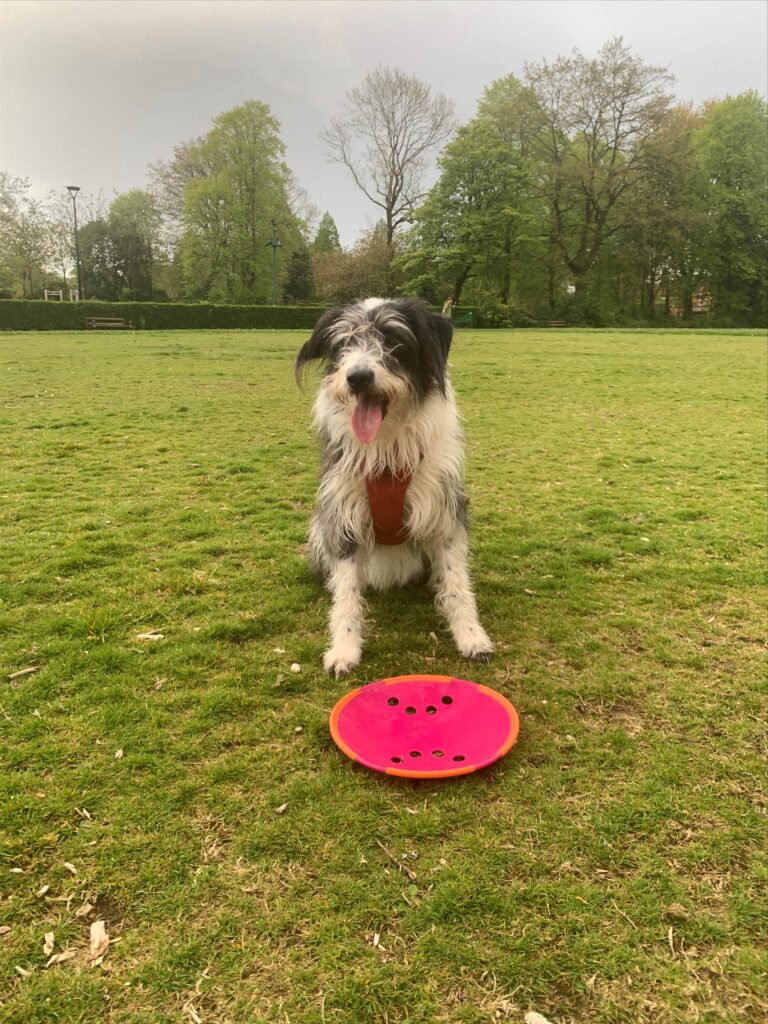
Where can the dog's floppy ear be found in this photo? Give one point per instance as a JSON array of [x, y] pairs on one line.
[[318, 346], [434, 334]]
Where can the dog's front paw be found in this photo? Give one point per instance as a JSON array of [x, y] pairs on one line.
[[475, 644], [481, 655], [339, 660]]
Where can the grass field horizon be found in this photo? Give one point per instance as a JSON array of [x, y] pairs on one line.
[[185, 789]]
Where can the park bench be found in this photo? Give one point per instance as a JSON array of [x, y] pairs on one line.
[[556, 323], [463, 321], [106, 323]]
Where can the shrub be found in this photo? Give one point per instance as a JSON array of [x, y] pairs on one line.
[[497, 315]]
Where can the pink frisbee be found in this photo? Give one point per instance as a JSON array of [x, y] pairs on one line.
[[424, 727]]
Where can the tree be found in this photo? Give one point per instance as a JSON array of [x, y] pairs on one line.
[[61, 233], [358, 273], [239, 185], [168, 182], [474, 220], [327, 237], [731, 153], [24, 239], [589, 123], [101, 277], [299, 282], [398, 122], [134, 230]]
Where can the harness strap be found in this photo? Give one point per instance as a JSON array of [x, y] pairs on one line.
[[386, 498]]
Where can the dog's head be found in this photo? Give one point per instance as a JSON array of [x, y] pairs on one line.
[[379, 354]]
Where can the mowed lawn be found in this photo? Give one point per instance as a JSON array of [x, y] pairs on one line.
[[185, 790]]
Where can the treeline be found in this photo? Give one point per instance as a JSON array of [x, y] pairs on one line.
[[579, 191]]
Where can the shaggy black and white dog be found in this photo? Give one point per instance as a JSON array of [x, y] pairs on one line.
[[391, 498]]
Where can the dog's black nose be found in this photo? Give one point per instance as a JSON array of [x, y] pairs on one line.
[[360, 379]]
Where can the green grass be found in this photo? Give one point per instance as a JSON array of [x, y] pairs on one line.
[[610, 869]]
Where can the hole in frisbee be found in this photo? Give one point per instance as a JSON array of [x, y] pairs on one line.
[[396, 760], [393, 702], [410, 711], [458, 757], [431, 709], [415, 753], [437, 753], [447, 700]]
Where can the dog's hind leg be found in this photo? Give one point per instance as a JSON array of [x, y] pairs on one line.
[[345, 583], [456, 599]]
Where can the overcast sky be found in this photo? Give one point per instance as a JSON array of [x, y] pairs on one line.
[[92, 92]]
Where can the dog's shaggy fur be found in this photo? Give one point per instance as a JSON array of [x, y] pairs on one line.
[[386, 409]]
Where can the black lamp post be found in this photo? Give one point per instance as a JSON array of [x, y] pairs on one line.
[[73, 190]]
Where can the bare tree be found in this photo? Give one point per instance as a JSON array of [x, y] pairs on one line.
[[384, 138]]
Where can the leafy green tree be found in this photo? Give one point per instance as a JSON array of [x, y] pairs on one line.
[[134, 229], [649, 265], [99, 262], [25, 246], [360, 272], [476, 221], [227, 211], [588, 124], [327, 237], [731, 153], [299, 281]]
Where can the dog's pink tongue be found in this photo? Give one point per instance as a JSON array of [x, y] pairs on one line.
[[366, 419]]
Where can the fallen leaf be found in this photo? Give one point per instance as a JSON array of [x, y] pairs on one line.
[[278, 650], [48, 944], [298, 729], [193, 1013], [376, 938], [17, 871], [5, 929], [281, 809], [535, 1018], [22, 972], [295, 667], [153, 635], [119, 754], [42, 890], [99, 941], [61, 958], [70, 867], [85, 910], [83, 813]]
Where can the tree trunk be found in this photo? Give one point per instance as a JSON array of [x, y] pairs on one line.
[[506, 274], [459, 283], [582, 286]]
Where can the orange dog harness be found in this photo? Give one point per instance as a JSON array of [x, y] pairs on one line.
[[386, 498]]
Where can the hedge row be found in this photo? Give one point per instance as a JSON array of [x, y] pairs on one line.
[[32, 315]]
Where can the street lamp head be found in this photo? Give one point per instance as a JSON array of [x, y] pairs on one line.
[[73, 190]]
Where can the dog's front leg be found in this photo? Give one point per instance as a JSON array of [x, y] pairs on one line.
[[456, 599], [347, 611]]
